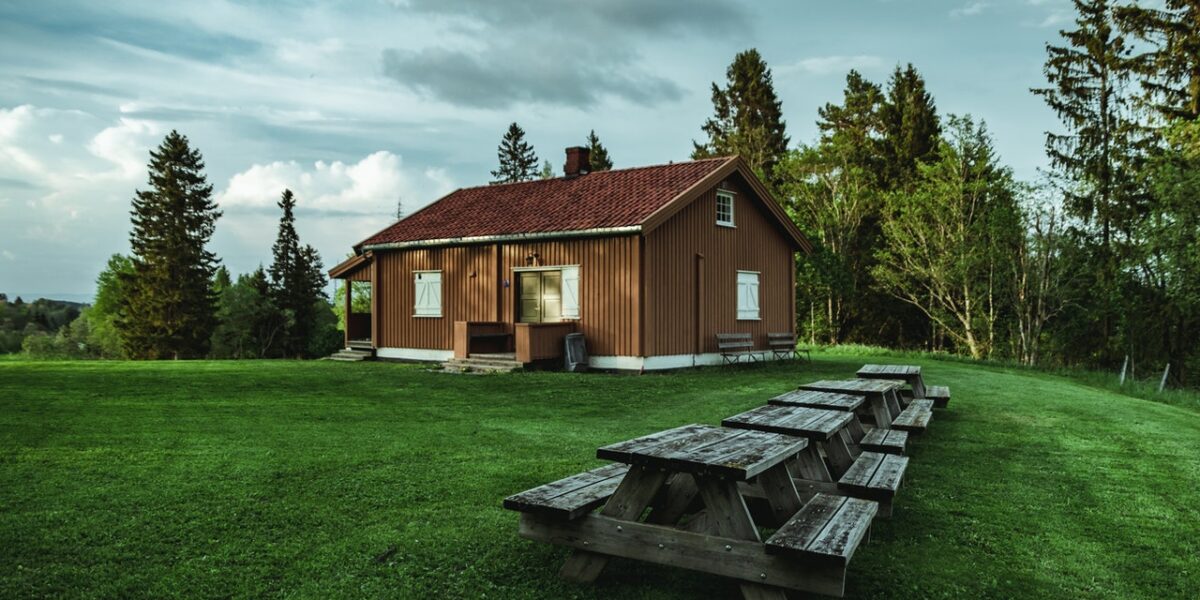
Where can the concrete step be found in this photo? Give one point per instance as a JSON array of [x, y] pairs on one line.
[[460, 365], [494, 362]]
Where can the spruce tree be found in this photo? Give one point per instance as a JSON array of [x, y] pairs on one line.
[[1171, 69], [170, 309], [297, 281], [547, 170], [911, 128], [597, 154], [518, 162], [855, 126], [747, 117]]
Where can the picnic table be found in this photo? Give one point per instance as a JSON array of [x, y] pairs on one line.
[[910, 374], [882, 399], [888, 441], [870, 475], [666, 472]]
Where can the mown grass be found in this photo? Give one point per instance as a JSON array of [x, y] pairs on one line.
[[327, 480]]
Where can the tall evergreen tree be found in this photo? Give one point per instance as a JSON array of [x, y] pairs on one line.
[[1097, 157], [1172, 67], [598, 154], [855, 127], [518, 162], [169, 308], [747, 117], [911, 128], [297, 281]]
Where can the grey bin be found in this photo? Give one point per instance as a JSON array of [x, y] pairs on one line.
[[575, 357]]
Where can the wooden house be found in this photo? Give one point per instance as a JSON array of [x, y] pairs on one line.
[[648, 263]]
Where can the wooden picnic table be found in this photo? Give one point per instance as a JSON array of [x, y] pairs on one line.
[[908, 373], [882, 399], [828, 430], [666, 473]]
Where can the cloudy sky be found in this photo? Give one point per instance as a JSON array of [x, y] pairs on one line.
[[356, 104]]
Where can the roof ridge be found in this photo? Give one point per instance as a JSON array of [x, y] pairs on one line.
[[623, 170]]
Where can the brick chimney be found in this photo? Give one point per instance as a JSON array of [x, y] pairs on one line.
[[578, 162]]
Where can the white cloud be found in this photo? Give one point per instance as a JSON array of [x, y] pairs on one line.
[[370, 186], [823, 65], [970, 10], [125, 145]]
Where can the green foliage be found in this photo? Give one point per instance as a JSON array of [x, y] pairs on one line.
[[297, 284], [598, 154], [948, 245], [910, 127], [518, 162], [251, 324], [169, 308], [20, 319], [547, 171], [1170, 69], [748, 117], [360, 300]]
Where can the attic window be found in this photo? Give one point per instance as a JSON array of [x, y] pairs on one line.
[[725, 208]]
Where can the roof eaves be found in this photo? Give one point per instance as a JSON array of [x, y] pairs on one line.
[[511, 237]]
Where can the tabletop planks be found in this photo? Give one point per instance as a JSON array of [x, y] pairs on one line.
[[813, 423], [737, 454]]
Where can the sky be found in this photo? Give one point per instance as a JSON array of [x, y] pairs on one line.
[[358, 105]]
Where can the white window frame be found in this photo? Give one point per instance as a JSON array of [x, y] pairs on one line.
[[747, 313], [427, 312], [729, 196]]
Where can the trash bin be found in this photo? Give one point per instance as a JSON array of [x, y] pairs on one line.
[[575, 356]]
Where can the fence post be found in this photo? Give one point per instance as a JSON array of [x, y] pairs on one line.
[[1162, 384], [1123, 367]]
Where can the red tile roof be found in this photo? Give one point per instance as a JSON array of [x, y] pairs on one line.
[[607, 199]]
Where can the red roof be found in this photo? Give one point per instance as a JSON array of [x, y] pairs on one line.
[[603, 200]]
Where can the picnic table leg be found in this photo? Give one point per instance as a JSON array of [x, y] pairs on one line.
[[879, 410], [732, 519], [892, 400], [635, 492], [839, 455], [780, 490], [675, 502], [857, 433], [809, 465], [918, 388]]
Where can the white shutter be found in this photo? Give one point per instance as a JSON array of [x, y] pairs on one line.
[[570, 292], [427, 288], [747, 295]]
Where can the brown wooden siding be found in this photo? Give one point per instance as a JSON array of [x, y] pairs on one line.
[[691, 252], [472, 290]]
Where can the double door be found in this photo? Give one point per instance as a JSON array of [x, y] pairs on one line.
[[541, 296]]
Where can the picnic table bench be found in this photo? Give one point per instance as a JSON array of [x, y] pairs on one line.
[[869, 475], [911, 374], [666, 472], [888, 441]]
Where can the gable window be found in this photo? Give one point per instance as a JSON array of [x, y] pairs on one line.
[[747, 296], [725, 208], [428, 291]]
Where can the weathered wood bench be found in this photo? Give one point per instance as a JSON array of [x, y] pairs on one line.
[[940, 395], [734, 346], [915, 418], [828, 529], [571, 497], [888, 441], [910, 374], [783, 345], [882, 401], [875, 476]]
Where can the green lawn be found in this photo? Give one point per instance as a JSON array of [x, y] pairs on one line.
[[326, 480]]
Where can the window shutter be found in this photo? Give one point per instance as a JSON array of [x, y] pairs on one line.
[[747, 290], [428, 291], [570, 292]]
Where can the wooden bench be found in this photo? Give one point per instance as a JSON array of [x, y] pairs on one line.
[[887, 441], [828, 529], [915, 418], [783, 345], [940, 395], [734, 346], [572, 497], [875, 476]]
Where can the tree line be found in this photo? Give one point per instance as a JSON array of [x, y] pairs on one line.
[[171, 299], [925, 240]]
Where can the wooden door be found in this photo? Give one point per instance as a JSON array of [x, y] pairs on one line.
[[530, 290]]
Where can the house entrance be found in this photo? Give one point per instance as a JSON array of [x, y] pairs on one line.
[[541, 296]]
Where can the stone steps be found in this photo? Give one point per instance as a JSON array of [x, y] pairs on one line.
[[350, 355], [482, 364]]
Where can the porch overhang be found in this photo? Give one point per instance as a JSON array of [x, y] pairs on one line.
[[354, 268]]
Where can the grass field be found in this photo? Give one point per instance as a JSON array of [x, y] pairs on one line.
[[328, 480]]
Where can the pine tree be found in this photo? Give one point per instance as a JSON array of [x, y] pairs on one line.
[[547, 170], [1172, 68], [1098, 156], [855, 127], [169, 309], [297, 281], [518, 162], [747, 117], [911, 128], [597, 154]]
